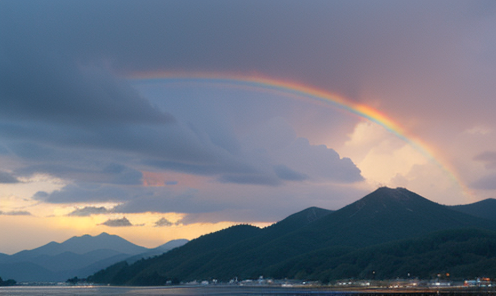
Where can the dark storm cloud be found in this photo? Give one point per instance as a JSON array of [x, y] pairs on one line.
[[63, 104], [336, 45], [42, 80], [67, 94], [7, 178], [331, 48], [88, 211]]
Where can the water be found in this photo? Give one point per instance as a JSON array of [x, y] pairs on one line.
[[130, 291], [221, 291]]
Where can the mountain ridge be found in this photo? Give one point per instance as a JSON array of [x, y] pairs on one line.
[[484, 209], [77, 256], [385, 215]]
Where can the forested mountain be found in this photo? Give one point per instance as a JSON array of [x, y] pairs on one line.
[[483, 209], [386, 215], [461, 253]]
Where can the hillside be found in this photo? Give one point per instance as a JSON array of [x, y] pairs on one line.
[[385, 215], [482, 209], [462, 253], [382, 216], [185, 260]]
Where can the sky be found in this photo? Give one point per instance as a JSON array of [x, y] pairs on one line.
[[160, 120]]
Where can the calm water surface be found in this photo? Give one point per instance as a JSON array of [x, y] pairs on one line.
[[252, 291]]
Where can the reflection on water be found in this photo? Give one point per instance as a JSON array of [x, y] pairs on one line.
[[252, 291]]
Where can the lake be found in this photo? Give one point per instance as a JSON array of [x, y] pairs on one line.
[[218, 290], [211, 291]]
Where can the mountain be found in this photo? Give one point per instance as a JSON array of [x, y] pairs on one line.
[[172, 244], [461, 253], [184, 259], [482, 209], [385, 215], [84, 244], [157, 251], [77, 256]]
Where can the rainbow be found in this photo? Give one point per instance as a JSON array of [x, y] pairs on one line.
[[301, 91]]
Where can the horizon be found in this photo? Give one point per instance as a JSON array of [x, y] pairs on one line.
[[164, 120], [259, 226]]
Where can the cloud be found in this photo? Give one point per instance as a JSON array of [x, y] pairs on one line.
[[163, 223], [488, 158], [253, 179], [111, 173], [295, 159], [66, 111], [285, 173], [485, 183], [16, 213], [162, 200], [7, 178], [123, 222], [62, 91], [88, 211], [319, 162], [87, 192]]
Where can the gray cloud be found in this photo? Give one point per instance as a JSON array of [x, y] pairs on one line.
[[62, 91], [7, 178], [88, 211], [488, 158], [485, 183], [112, 173], [16, 213], [318, 161], [253, 179], [80, 193], [66, 111], [163, 223], [285, 173], [296, 159], [165, 201], [124, 222]]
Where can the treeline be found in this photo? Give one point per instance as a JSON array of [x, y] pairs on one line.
[[460, 253], [7, 282], [390, 233]]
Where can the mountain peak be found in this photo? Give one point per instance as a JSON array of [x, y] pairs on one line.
[[398, 192], [87, 243], [396, 195]]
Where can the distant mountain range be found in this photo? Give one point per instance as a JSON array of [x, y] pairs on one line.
[[387, 234], [77, 256]]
